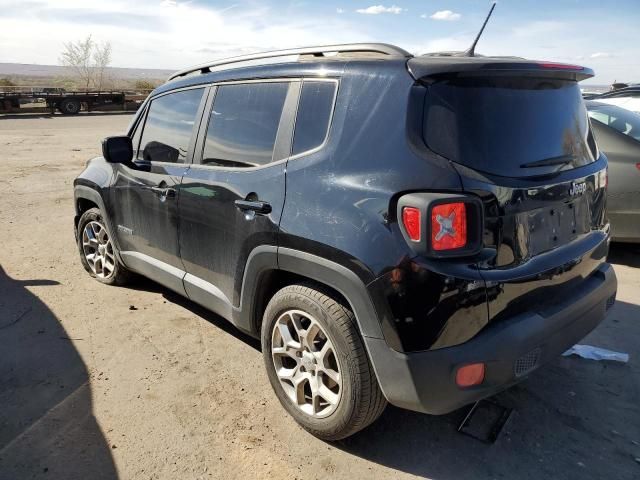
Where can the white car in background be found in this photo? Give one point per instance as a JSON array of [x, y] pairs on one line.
[[627, 98]]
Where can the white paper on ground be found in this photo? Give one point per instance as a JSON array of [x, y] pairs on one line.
[[596, 353]]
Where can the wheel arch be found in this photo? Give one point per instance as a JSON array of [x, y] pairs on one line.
[[87, 197], [270, 268]]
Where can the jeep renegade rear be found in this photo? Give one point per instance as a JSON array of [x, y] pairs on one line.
[[424, 231]]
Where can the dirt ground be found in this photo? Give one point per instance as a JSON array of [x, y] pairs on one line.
[[138, 383]]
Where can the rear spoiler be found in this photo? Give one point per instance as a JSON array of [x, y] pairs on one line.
[[430, 68]]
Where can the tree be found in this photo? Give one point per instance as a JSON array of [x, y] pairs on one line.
[[77, 56], [102, 59], [88, 60], [6, 82]]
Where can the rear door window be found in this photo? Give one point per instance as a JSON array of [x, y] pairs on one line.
[[314, 115], [169, 126], [499, 124], [243, 124]]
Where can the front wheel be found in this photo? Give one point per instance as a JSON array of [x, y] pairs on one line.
[[97, 251], [317, 364]]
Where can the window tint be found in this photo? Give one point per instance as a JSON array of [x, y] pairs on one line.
[[169, 126], [314, 115], [498, 124], [243, 124]]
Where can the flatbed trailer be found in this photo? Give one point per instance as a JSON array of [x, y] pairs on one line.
[[67, 102]]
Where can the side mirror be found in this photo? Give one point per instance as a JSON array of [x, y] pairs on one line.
[[117, 149]]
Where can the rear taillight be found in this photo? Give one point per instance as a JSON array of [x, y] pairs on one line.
[[638, 166], [412, 223], [448, 226], [439, 224]]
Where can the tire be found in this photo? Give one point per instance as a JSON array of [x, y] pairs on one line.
[[69, 106], [95, 239], [315, 319]]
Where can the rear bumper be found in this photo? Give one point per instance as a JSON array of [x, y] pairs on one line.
[[425, 381]]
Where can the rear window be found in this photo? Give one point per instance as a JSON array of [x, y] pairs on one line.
[[497, 125]]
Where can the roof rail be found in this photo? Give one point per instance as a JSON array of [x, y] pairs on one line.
[[319, 51]]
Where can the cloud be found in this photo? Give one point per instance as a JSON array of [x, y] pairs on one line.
[[377, 9], [446, 15], [601, 55], [190, 32], [168, 3], [339, 10]]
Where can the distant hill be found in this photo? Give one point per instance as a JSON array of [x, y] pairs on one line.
[[25, 74], [49, 71]]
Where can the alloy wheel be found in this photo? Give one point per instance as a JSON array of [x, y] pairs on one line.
[[306, 364], [98, 249]]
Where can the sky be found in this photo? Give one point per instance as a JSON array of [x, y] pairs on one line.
[[172, 34]]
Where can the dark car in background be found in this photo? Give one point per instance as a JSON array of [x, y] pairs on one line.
[[419, 230], [617, 131]]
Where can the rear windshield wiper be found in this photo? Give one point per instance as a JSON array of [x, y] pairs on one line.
[[561, 160]]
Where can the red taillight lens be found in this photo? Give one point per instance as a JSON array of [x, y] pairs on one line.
[[448, 226], [638, 166], [470, 375], [560, 66], [411, 222]]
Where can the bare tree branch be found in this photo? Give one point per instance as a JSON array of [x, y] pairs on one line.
[[102, 59], [77, 56], [88, 60]]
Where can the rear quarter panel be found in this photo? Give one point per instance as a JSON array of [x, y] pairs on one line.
[[338, 199], [341, 203]]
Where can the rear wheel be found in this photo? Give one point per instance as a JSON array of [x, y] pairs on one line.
[[317, 364], [69, 106], [97, 251]]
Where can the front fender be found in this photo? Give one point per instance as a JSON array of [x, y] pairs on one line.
[[91, 186]]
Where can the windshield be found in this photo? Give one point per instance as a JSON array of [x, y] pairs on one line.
[[508, 126], [620, 119]]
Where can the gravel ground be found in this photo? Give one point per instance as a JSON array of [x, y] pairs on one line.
[[106, 382]]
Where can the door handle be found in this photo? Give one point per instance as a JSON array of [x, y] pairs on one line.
[[257, 206], [163, 191]]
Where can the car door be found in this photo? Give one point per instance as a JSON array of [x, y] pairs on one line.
[[232, 196], [145, 194]]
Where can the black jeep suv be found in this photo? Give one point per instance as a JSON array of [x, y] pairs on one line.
[[424, 231]]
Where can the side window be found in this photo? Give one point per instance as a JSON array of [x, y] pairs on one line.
[[314, 114], [243, 124], [169, 126]]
